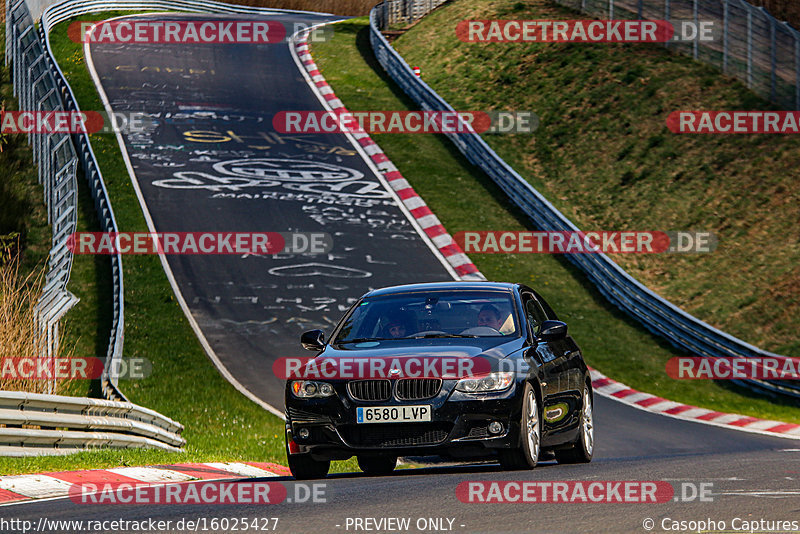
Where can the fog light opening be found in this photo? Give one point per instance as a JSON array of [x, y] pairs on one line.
[[303, 433], [495, 427]]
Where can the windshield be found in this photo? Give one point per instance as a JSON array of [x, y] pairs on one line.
[[431, 315]]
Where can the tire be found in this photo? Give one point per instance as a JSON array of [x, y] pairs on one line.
[[526, 455], [377, 465], [304, 467], [583, 447]]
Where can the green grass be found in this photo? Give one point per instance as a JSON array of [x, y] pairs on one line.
[[221, 424], [465, 199], [604, 157]]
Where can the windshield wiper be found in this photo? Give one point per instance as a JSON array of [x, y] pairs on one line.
[[427, 336]]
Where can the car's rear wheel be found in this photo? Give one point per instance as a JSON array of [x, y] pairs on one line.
[[377, 465], [583, 448], [526, 455]]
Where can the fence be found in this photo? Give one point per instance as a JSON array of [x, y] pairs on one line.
[[656, 314], [750, 44], [36, 89], [404, 11]]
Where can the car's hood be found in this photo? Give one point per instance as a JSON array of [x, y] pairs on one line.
[[491, 348]]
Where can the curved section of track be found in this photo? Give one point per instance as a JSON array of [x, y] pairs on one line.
[[213, 162]]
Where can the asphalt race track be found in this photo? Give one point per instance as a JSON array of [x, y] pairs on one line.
[[213, 162], [753, 477], [252, 309]]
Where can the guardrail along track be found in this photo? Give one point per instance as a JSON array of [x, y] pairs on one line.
[[69, 424]]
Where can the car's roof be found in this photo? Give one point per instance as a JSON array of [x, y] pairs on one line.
[[442, 286]]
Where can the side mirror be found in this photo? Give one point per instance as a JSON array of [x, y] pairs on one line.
[[313, 340], [553, 331]]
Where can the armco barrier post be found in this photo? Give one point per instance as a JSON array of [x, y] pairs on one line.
[[773, 59], [697, 26], [725, 34], [796, 70], [749, 47]]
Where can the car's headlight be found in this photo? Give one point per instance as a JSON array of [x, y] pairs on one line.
[[308, 389], [490, 382]]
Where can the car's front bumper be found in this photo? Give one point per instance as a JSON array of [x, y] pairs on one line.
[[459, 425]]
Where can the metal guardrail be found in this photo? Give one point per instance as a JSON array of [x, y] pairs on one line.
[[656, 314], [69, 424]]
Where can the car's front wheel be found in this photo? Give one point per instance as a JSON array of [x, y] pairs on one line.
[[526, 455], [583, 448], [304, 467], [377, 465]]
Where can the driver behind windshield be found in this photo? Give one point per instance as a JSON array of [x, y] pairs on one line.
[[398, 325], [489, 316]]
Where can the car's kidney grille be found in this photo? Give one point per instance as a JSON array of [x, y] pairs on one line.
[[370, 390], [418, 388], [395, 435]]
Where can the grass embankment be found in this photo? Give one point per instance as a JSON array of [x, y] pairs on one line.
[[349, 8], [604, 156], [221, 424], [465, 199]]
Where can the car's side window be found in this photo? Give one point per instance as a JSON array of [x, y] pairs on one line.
[[546, 307], [534, 312]]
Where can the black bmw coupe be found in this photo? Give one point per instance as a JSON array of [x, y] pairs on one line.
[[455, 369]]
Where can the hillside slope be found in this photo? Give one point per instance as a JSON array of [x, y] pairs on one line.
[[604, 156]]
